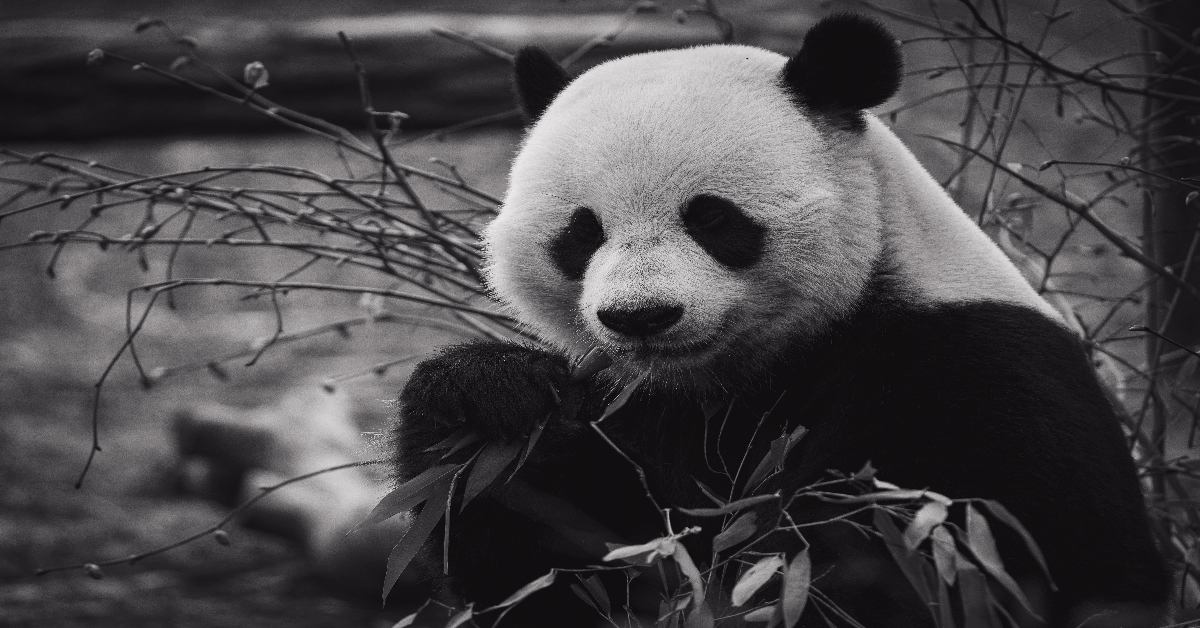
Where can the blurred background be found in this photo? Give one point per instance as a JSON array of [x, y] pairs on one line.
[[103, 190]]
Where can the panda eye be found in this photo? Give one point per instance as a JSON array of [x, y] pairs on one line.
[[724, 231], [573, 247], [707, 212], [585, 227]]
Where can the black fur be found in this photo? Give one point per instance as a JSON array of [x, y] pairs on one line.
[[503, 390], [724, 231], [848, 63], [973, 400], [574, 246], [537, 79], [518, 531]]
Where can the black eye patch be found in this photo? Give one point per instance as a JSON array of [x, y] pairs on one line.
[[573, 247], [724, 231]]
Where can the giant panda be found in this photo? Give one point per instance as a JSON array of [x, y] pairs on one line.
[[731, 225]]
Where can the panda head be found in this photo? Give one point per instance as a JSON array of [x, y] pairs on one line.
[[692, 212]]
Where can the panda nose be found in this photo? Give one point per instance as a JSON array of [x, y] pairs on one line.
[[645, 321]]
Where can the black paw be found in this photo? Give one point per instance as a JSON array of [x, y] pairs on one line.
[[503, 390]]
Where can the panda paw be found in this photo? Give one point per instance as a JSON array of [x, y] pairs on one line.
[[503, 390]]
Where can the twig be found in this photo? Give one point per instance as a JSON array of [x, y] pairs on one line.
[[481, 46], [1084, 211], [605, 38], [1144, 329], [278, 328], [641, 474], [1077, 76], [99, 385], [265, 491]]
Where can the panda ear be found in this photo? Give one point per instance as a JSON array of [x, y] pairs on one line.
[[848, 63], [537, 79]]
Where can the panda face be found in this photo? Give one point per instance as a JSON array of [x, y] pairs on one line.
[[679, 210]]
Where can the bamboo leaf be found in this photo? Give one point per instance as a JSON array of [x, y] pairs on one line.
[[796, 581], [944, 554], [900, 494], [527, 590], [983, 546], [467, 439], [760, 614], [455, 442], [404, 551], [866, 473], [740, 530], [529, 443], [944, 616], [449, 498], [596, 589], [594, 361], [910, 563], [461, 618], [754, 578], [1006, 517], [794, 438], [776, 456], [624, 396], [773, 461], [628, 551], [406, 496], [729, 508], [581, 594], [709, 493], [700, 617], [689, 569], [492, 460], [930, 515], [974, 597], [451, 439], [648, 552]]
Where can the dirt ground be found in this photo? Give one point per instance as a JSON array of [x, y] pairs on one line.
[[56, 337]]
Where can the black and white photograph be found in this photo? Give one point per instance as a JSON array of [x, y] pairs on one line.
[[600, 313]]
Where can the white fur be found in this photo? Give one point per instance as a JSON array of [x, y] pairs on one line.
[[635, 138], [941, 252]]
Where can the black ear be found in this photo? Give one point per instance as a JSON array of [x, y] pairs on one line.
[[848, 63], [537, 79]]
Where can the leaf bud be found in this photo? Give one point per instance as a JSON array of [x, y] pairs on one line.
[[145, 23], [255, 75]]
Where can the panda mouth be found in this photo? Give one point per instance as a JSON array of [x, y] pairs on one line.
[[655, 350]]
